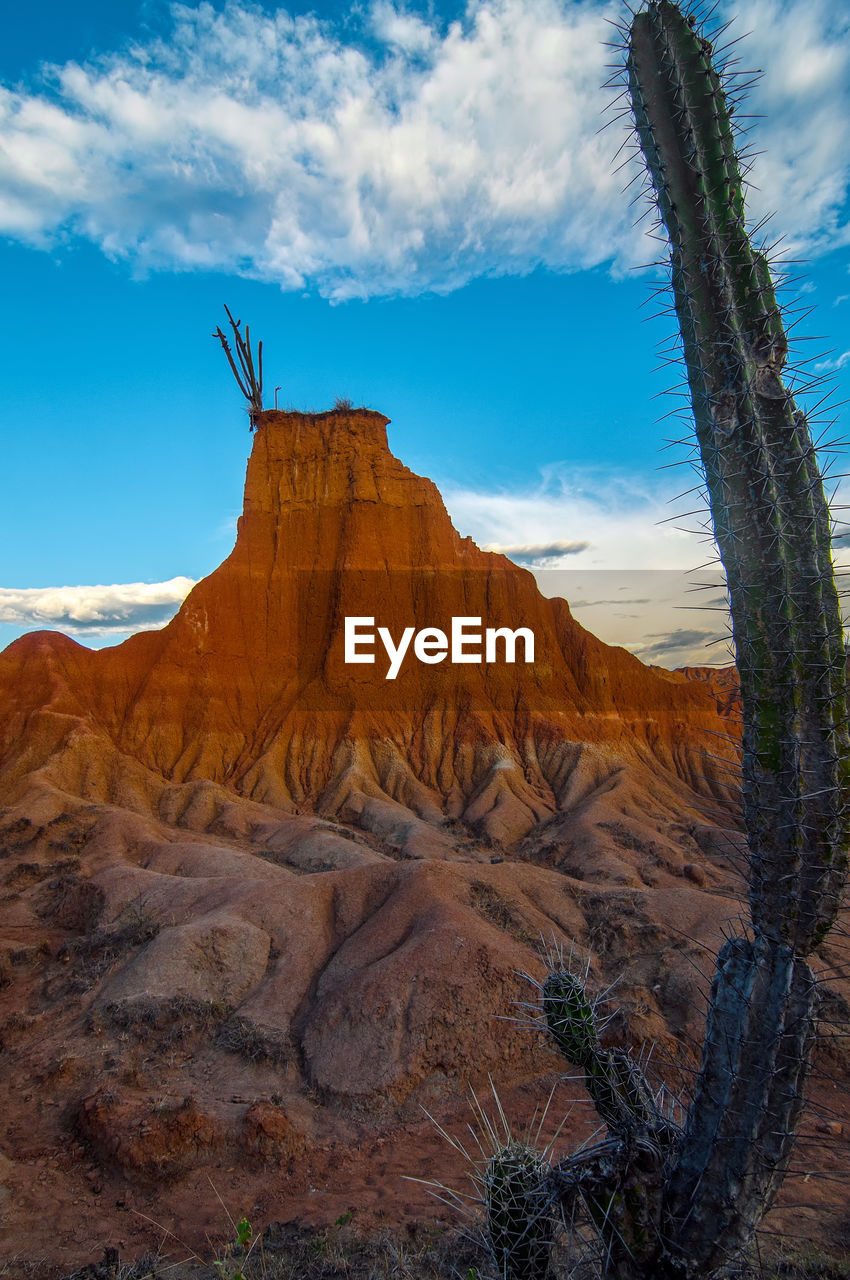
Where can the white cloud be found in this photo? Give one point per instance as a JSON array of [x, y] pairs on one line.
[[833, 363], [633, 576], [629, 578], [404, 158], [539, 553], [663, 616], [606, 521], [94, 610], [684, 647], [803, 173], [264, 144], [405, 31]]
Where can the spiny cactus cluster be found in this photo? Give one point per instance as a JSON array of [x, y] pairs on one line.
[[609, 1181], [670, 1203]]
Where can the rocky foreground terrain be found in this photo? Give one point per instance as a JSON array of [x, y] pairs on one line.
[[260, 907]]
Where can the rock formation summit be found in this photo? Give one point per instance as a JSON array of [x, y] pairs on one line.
[[259, 904], [246, 687]]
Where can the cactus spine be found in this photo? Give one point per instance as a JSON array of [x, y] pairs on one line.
[[675, 1204]]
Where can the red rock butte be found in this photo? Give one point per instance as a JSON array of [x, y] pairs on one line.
[[260, 904], [246, 687]]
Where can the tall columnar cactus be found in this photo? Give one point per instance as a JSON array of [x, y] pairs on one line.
[[772, 529], [673, 1204], [767, 504]]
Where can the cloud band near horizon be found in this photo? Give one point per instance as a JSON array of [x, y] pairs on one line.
[[599, 526], [396, 156], [94, 611]]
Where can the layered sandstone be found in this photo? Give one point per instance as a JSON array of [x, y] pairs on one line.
[[246, 687]]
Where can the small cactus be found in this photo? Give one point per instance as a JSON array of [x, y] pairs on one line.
[[614, 1081], [518, 1207], [570, 1017]]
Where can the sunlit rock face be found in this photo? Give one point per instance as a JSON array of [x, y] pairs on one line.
[[247, 687]]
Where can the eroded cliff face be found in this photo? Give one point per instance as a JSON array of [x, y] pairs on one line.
[[259, 904], [247, 688]]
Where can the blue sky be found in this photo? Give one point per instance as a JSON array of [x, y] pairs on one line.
[[414, 208]]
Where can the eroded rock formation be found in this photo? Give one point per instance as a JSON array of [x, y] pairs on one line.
[[259, 903]]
